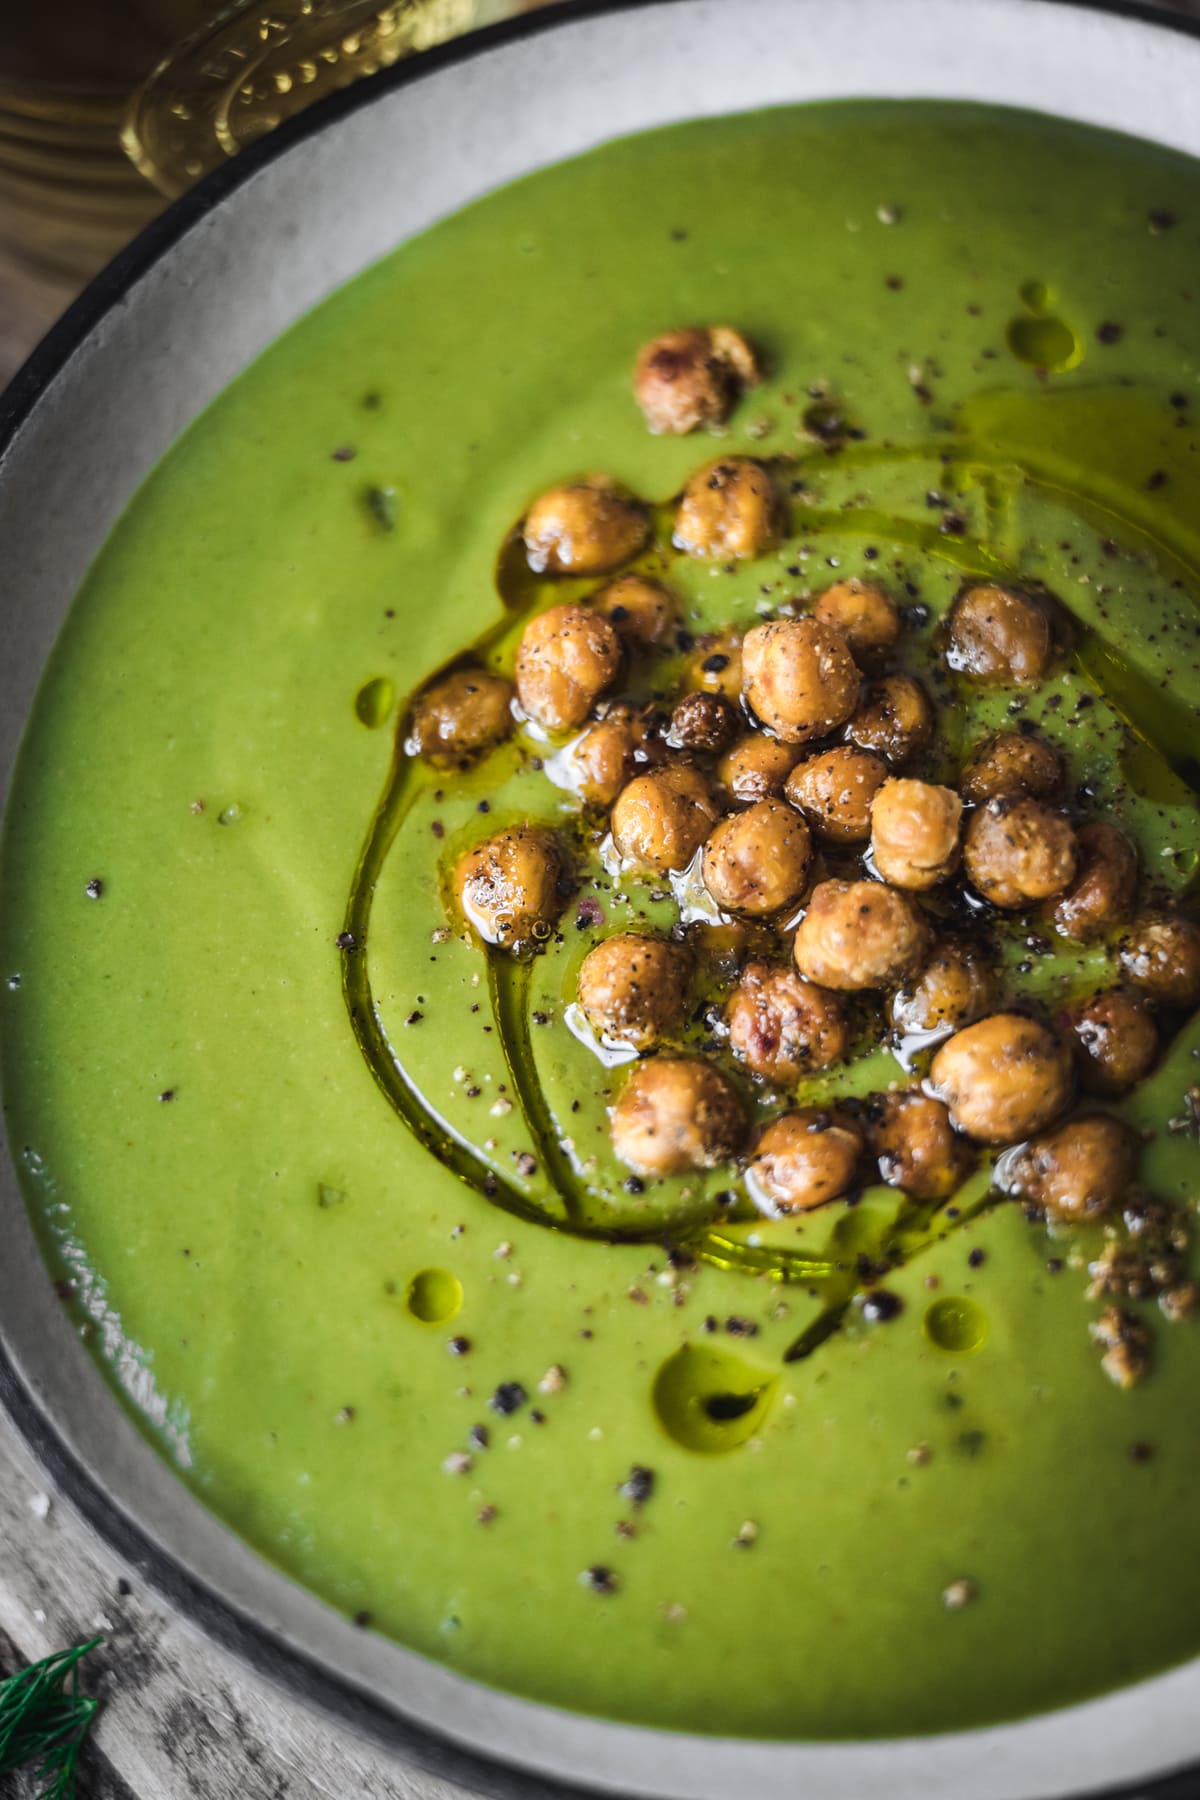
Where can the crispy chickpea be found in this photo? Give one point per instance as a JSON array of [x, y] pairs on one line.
[[803, 1159], [859, 934], [692, 377], [834, 791], [583, 528], [606, 756], [730, 508], [1010, 763], [914, 832], [756, 768], [866, 616], [707, 722], [917, 1148], [661, 819], [953, 989], [634, 989], [998, 635], [716, 664], [1019, 850], [783, 1027], [1080, 1171], [1117, 1040], [1102, 895], [1161, 955], [641, 612], [799, 677], [757, 861], [463, 714], [512, 887], [565, 660], [674, 1114], [895, 719], [1002, 1078]]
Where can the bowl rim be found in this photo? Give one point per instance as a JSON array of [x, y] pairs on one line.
[[271, 1653]]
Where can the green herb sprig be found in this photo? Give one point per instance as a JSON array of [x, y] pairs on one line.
[[44, 1720]]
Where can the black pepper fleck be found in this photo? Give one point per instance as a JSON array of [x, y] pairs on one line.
[[509, 1397]]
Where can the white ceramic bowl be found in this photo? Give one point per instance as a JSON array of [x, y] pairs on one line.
[[156, 337]]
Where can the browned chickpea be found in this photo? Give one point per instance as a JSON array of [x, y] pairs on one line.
[[1003, 1078], [606, 756], [463, 714], [1081, 1171], [895, 719], [706, 722], [692, 377], [583, 528], [799, 677], [634, 989], [641, 612], [716, 664], [834, 791], [953, 989], [1010, 763], [1019, 850], [916, 1146], [730, 508], [803, 1159], [866, 616], [1161, 955], [783, 1027], [914, 832], [1102, 895], [661, 819], [676, 1113], [1117, 1039], [859, 934], [757, 861], [513, 886], [756, 768], [998, 635], [565, 660]]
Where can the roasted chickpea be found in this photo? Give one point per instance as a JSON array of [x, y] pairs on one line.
[[730, 508], [1010, 763], [914, 832], [998, 635], [661, 819], [953, 989], [756, 768], [606, 756], [463, 714], [583, 528], [1117, 1040], [799, 677], [513, 886], [895, 719], [834, 791], [674, 1114], [1161, 955], [917, 1148], [1080, 1171], [633, 989], [859, 934], [641, 612], [565, 660], [1002, 1078], [1102, 895], [716, 664], [757, 861], [706, 722], [803, 1159], [783, 1027], [1019, 850], [692, 377], [866, 616]]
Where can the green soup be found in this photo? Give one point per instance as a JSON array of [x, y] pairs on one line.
[[314, 1280]]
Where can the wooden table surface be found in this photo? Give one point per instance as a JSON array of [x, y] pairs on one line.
[[184, 1718]]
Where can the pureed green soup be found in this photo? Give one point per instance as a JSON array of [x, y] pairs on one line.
[[618, 1451]]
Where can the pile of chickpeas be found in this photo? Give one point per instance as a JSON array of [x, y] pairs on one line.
[[783, 776]]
